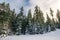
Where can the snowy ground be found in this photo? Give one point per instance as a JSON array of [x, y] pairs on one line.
[[48, 36]]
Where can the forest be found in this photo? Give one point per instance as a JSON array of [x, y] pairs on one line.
[[20, 24]]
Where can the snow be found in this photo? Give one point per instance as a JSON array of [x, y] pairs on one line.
[[47, 36]]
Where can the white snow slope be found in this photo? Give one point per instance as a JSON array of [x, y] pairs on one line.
[[47, 36]]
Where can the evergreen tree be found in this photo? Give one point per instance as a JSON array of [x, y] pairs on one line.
[[53, 21], [51, 12], [41, 21], [19, 19], [21, 22], [13, 22], [35, 20], [58, 16], [4, 18], [38, 20], [48, 24], [29, 17]]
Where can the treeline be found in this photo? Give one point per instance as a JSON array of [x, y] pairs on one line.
[[13, 23]]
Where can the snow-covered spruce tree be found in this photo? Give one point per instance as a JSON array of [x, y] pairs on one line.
[[21, 22], [48, 24], [13, 22], [19, 19], [41, 21], [38, 21], [29, 17], [58, 16], [5, 18], [52, 21], [35, 20]]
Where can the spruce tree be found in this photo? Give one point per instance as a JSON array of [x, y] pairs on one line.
[[4, 20], [41, 21], [53, 21], [58, 16], [19, 19], [29, 17], [38, 20], [13, 22], [21, 22], [35, 20], [48, 24]]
